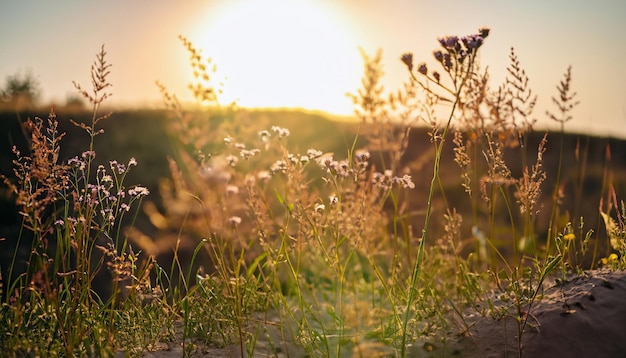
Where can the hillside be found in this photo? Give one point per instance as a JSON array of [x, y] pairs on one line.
[[588, 162]]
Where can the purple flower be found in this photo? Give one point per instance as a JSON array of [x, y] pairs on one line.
[[472, 42], [407, 58], [449, 42], [447, 61], [422, 68], [462, 55], [438, 55]]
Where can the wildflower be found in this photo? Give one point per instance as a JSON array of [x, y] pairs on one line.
[[320, 208], [325, 161], [381, 181], [59, 222], [248, 153], [422, 68], [462, 55], [339, 168], [232, 160], [234, 220], [438, 55], [484, 32], [447, 61], [436, 76], [292, 159], [407, 182], [279, 166], [472, 42], [264, 135], [612, 259], [132, 162], [344, 168], [450, 43], [569, 237], [304, 159], [88, 155], [314, 153], [117, 167], [280, 132], [232, 190], [333, 199], [240, 146], [138, 191], [361, 159], [77, 163], [407, 58], [228, 140], [362, 156], [264, 175]]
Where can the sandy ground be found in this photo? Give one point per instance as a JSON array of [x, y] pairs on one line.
[[583, 317]]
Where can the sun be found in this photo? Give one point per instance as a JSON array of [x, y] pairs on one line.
[[286, 53]]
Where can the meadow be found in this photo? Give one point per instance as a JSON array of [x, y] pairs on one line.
[[228, 231]]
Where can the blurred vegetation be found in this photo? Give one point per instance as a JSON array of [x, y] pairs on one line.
[[143, 133]]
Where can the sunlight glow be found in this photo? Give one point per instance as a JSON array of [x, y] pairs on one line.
[[282, 54]]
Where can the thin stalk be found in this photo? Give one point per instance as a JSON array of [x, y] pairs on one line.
[[420, 251]]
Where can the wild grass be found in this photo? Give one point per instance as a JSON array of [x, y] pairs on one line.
[[284, 247]]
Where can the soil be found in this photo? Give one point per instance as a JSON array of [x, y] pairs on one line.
[[585, 316]]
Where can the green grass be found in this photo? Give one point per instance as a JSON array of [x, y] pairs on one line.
[[282, 231]]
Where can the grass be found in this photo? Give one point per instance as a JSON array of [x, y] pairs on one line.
[[273, 241]]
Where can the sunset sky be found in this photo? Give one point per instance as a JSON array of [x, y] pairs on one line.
[[298, 53]]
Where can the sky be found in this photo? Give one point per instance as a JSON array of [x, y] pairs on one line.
[[305, 53]]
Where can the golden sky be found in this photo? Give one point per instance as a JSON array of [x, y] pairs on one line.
[[304, 53]]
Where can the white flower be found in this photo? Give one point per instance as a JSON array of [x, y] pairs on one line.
[[362, 156], [232, 190], [333, 199], [264, 135], [407, 182], [280, 132], [138, 191], [264, 175], [232, 160], [279, 166], [314, 153], [247, 153], [234, 220]]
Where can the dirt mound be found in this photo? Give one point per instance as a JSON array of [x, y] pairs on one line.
[[582, 317]]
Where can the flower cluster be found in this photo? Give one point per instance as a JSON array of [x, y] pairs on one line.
[[454, 54], [107, 196], [386, 180], [336, 168], [342, 168]]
